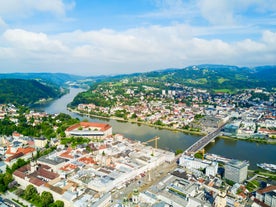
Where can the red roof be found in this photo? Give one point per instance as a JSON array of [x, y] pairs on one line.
[[68, 167], [267, 189], [260, 203], [267, 130], [16, 155], [87, 160], [103, 127], [36, 181], [42, 171], [67, 154], [19, 153], [25, 150]]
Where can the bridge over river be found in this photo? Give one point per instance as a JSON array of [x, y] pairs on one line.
[[200, 144]]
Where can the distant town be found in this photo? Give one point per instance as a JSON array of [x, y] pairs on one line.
[[250, 113]]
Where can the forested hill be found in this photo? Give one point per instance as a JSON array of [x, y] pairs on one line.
[[219, 77], [58, 79], [25, 92]]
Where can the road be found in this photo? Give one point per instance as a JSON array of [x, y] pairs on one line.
[[200, 144], [8, 196]]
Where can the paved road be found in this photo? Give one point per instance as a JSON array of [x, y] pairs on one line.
[[200, 144]]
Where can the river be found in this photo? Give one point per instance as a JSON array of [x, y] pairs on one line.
[[170, 140]]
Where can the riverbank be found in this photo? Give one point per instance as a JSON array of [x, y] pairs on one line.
[[256, 140], [138, 122]]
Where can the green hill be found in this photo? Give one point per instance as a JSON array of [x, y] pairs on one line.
[[58, 79], [214, 78], [219, 77], [25, 92]]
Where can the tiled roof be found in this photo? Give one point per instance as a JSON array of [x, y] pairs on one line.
[[260, 203], [36, 181], [102, 126], [16, 155], [267, 189], [67, 154], [47, 174], [68, 167], [42, 171], [87, 160], [25, 150]]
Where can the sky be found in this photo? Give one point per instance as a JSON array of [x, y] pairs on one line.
[[107, 37]]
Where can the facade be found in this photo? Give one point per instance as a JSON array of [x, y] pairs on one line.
[[267, 195], [212, 169], [236, 171], [90, 130], [40, 142]]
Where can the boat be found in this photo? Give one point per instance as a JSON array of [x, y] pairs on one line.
[[268, 167]]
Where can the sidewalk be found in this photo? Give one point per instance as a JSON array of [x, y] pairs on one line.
[[10, 196]]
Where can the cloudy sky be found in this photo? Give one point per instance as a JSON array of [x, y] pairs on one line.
[[94, 37]]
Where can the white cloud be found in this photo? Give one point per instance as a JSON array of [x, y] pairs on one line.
[[225, 12], [32, 41], [140, 49], [24, 8]]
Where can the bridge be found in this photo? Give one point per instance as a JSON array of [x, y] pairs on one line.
[[200, 144]]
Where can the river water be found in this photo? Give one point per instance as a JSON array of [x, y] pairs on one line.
[[253, 152]]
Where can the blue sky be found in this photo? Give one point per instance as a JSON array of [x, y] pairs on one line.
[[94, 37]]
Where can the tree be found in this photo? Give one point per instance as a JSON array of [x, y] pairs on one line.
[[30, 192], [46, 199], [57, 203], [7, 179]]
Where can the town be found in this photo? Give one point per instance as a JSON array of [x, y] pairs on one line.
[[250, 113], [106, 169]]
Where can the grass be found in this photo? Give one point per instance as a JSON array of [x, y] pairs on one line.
[[199, 81], [221, 80], [224, 90]]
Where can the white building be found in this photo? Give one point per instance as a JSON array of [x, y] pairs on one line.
[[236, 171], [212, 169], [89, 129]]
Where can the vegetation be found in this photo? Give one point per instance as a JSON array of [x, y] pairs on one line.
[[25, 92], [178, 151], [221, 78], [74, 141], [45, 128], [44, 200], [57, 79], [6, 178], [199, 155]]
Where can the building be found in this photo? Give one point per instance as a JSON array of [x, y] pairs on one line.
[[40, 142], [193, 163], [212, 169], [89, 129], [236, 171], [267, 195], [13, 154]]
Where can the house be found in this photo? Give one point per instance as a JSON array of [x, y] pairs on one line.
[[22, 152]]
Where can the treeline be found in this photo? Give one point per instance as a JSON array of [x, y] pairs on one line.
[[45, 199], [6, 178], [25, 92], [44, 129]]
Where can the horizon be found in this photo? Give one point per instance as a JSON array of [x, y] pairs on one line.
[[154, 70], [112, 37]]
